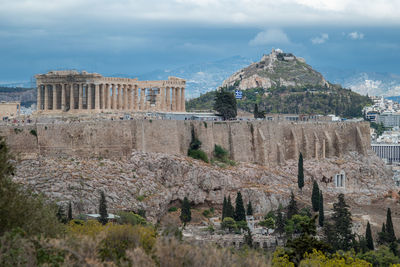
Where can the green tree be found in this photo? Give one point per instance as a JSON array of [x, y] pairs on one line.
[[343, 236], [383, 256], [300, 172], [280, 223], [258, 114], [315, 196], [321, 216], [382, 235], [224, 206], [368, 237], [69, 216], [186, 215], [229, 223], [255, 113], [225, 104], [61, 215], [249, 209], [230, 211], [292, 207], [268, 222], [240, 213], [103, 219], [389, 226], [248, 238]]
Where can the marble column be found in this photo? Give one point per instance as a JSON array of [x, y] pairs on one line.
[[46, 97], [80, 99], [142, 98], [178, 99], [54, 96], [114, 99], [63, 97], [173, 99], [183, 104], [108, 97], [89, 97], [125, 97], [96, 96], [135, 97], [71, 98], [39, 97], [162, 98], [119, 96], [168, 92], [103, 96], [130, 98]]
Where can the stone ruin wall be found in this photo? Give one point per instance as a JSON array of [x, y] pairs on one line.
[[265, 143]]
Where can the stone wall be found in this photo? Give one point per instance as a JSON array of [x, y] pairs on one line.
[[265, 143]]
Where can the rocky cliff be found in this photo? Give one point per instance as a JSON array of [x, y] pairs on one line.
[[276, 69], [155, 181]]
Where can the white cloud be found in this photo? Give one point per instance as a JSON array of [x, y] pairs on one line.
[[270, 36], [320, 39], [356, 35], [221, 12]]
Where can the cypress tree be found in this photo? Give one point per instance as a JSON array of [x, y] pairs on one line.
[[240, 213], [368, 237], [69, 216], [292, 207], [103, 219], [249, 209], [230, 212], [300, 172], [60, 214], [224, 205], [186, 215], [389, 226], [315, 196], [280, 224], [343, 235], [255, 113], [321, 216]]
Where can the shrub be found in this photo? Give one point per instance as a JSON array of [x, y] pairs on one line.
[[119, 238], [131, 218], [140, 198], [172, 209], [242, 225], [220, 153], [208, 213], [198, 154], [33, 132], [90, 228]]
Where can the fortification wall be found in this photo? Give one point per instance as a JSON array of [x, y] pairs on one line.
[[266, 143]]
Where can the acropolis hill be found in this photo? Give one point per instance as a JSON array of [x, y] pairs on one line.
[[142, 164]]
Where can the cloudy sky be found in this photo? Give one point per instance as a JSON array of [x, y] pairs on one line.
[[137, 36]]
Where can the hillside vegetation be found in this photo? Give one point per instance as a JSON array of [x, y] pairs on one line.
[[293, 100]]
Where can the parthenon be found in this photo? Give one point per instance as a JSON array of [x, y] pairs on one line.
[[74, 92]]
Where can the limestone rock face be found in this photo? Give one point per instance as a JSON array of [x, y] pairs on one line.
[[153, 181], [276, 69]]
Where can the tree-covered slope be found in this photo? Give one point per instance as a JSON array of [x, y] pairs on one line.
[[294, 100]]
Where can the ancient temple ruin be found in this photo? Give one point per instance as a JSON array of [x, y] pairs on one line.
[[74, 92]]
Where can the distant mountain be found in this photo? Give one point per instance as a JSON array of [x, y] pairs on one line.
[[276, 70], [371, 83], [203, 77]]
